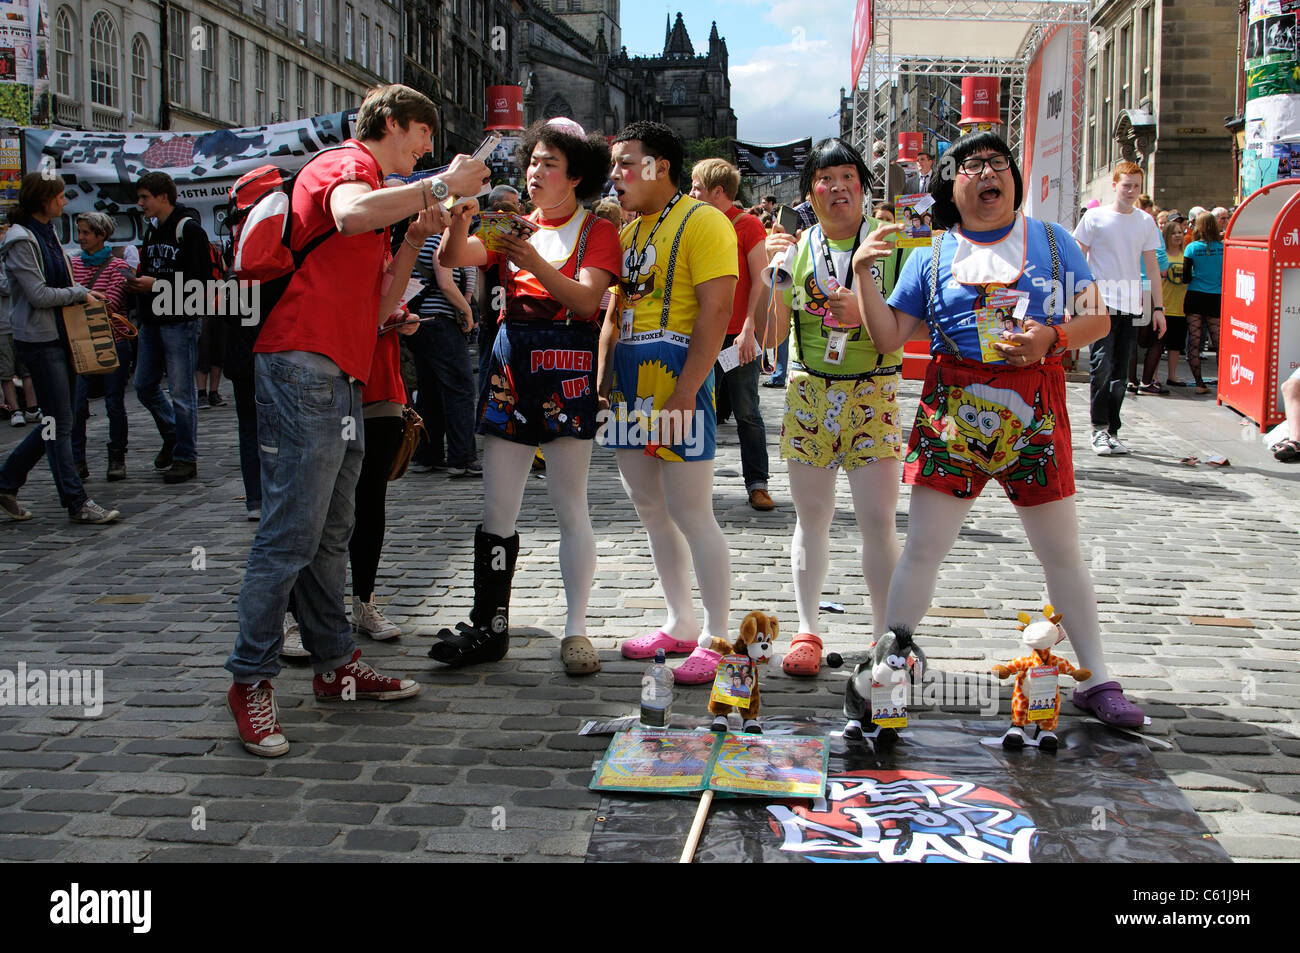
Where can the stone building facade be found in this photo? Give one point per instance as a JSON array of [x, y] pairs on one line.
[[1161, 77], [217, 63]]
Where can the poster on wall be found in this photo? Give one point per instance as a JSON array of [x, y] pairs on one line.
[[101, 167], [1272, 149], [24, 62]]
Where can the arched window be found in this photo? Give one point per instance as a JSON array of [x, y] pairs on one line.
[[679, 94], [105, 52], [139, 74], [64, 53]]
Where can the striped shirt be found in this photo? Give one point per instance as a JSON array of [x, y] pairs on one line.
[[435, 302]]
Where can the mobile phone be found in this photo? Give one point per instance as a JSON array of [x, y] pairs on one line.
[[480, 154], [789, 219]]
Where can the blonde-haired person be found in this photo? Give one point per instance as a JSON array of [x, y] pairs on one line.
[[1174, 283], [717, 181], [1203, 260]]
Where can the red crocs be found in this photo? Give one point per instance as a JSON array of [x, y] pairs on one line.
[[805, 657]]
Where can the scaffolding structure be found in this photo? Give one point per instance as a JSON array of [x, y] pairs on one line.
[[951, 39]]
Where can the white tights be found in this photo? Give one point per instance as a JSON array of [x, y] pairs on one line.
[[506, 466], [875, 496], [675, 504], [935, 519]]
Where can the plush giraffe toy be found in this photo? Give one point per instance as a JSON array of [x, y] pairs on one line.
[[1039, 637]]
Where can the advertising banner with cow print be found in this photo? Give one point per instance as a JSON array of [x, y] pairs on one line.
[[938, 796], [101, 168]]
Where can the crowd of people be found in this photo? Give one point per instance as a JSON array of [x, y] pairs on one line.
[[623, 317]]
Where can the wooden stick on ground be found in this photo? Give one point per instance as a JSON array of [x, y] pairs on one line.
[[697, 828]]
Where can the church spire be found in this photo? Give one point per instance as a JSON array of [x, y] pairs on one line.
[[679, 42]]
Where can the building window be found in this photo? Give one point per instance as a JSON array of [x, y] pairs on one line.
[[139, 74], [259, 5], [259, 86], [1124, 79], [338, 98], [300, 16], [1146, 37], [104, 54], [435, 48], [235, 90], [64, 52], [456, 69], [302, 92], [318, 21], [208, 70], [319, 98], [1107, 79], [475, 14], [348, 46], [412, 31], [281, 89], [177, 41], [390, 58], [365, 41], [1092, 117], [282, 10], [378, 49]]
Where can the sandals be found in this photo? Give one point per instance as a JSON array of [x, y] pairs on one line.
[[1288, 451], [1107, 702], [646, 646], [698, 668], [1153, 388], [805, 657], [578, 655]]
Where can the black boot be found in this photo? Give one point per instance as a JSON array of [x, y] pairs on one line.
[[487, 636], [116, 465]]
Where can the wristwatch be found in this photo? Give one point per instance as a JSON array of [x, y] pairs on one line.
[[438, 188]]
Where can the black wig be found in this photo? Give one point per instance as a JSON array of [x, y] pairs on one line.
[[941, 185]]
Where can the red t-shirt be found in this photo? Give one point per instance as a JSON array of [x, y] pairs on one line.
[[384, 382], [527, 297], [749, 232], [331, 306]]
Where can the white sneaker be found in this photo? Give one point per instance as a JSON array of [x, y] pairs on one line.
[[1101, 443], [1116, 448], [18, 420], [292, 646], [368, 620]]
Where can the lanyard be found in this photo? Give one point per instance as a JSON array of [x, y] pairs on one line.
[[830, 263], [638, 260]]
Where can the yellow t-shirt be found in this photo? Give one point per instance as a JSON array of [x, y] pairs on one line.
[[707, 251]]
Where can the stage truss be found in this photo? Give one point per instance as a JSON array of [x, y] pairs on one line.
[[951, 39]]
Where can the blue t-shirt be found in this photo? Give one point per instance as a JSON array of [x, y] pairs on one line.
[[957, 303], [1206, 259]]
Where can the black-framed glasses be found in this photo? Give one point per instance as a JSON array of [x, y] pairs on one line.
[[975, 164]]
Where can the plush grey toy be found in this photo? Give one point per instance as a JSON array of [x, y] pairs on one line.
[[893, 658]]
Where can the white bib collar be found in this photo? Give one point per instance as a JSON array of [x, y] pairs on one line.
[[556, 244], [1000, 262]]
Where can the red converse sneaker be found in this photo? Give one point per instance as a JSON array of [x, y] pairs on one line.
[[356, 680], [256, 718]]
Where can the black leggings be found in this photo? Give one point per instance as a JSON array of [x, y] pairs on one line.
[[383, 437]]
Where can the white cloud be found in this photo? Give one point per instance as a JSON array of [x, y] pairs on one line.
[[789, 14], [783, 93]]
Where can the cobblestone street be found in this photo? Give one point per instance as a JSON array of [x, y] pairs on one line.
[[1194, 566]]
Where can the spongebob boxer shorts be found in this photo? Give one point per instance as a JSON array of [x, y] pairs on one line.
[[834, 423], [976, 422]]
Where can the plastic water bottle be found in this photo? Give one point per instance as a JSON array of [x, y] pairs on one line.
[[656, 693]]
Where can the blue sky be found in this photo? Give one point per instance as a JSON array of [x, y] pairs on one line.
[[788, 59]]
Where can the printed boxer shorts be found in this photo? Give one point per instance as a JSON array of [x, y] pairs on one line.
[[541, 383], [848, 423], [977, 422]]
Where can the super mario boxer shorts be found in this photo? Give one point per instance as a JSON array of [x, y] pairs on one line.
[[977, 422], [541, 383]]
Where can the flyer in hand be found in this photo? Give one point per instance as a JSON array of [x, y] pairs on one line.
[[913, 213], [493, 226]]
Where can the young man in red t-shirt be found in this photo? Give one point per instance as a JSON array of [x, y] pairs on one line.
[[717, 181], [312, 357]]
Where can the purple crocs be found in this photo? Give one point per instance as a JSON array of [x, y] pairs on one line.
[[1108, 703]]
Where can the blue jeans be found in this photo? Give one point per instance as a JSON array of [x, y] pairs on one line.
[[742, 385], [782, 360], [114, 403], [442, 363], [171, 349], [312, 440], [56, 389], [1108, 362]]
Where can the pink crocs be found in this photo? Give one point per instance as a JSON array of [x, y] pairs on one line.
[[698, 668], [647, 645]]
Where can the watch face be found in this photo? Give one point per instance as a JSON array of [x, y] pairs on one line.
[[439, 189]]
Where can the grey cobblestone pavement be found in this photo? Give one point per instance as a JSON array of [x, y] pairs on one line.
[[1195, 571]]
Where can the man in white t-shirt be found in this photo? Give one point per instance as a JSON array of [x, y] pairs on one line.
[[1118, 239]]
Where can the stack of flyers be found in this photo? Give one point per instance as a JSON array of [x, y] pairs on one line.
[[1003, 313], [668, 762], [788, 766], [493, 226], [913, 213]]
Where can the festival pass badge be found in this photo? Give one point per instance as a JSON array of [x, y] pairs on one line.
[[1003, 314], [1041, 690], [733, 684], [889, 705]]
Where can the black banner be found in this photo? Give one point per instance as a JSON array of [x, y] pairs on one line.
[[939, 795], [784, 159]]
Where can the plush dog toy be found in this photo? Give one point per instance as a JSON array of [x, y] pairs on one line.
[[893, 658], [757, 634], [1039, 637]]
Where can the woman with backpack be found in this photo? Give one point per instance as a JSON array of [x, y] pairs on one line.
[[40, 284], [540, 387]]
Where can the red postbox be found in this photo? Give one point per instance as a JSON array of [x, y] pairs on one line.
[[1259, 330]]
